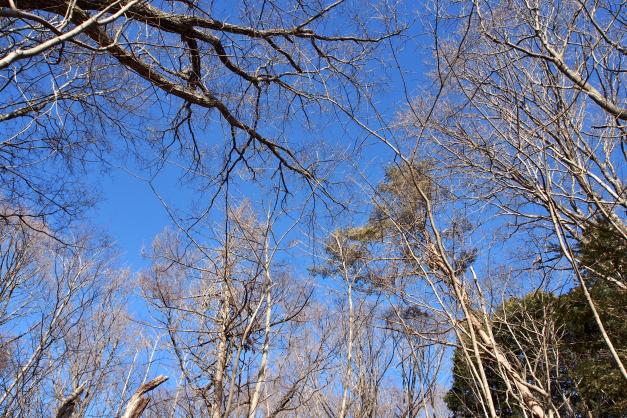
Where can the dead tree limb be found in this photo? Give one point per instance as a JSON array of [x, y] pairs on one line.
[[138, 402]]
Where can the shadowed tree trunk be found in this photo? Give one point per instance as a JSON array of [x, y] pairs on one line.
[[66, 409]]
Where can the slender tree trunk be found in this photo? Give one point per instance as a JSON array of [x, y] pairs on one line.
[[221, 360], [266, 342], [349, 352]]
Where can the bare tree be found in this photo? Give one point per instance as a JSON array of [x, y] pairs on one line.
[[221, 309], [405, 228], [63, 326], [531, 106]]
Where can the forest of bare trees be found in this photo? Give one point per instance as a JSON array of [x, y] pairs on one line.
[[376, 208]]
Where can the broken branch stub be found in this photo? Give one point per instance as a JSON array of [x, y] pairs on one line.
[[138, 402]]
